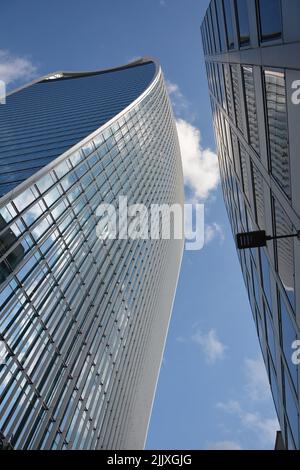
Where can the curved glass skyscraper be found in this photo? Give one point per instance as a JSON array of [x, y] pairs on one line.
[[83, 320]]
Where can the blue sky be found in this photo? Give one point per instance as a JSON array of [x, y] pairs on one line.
[[212, 390]]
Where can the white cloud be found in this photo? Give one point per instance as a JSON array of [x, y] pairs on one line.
[[264, 428], [134, 58], [232, 406], [180, 104], [224, 445], [214, 231], [211, 346], [200, 166], [257, 383], [14, 68], [181, 339]]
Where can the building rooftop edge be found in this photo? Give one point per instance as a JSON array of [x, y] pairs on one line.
[[64, 74], [32, 179]]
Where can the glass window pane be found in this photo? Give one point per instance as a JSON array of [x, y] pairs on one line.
[[265, 270], [212, 30], [244, 158], [274, 386], [290, 439], [208, 43], [236, 95], [243, 22], [256, 289], [278, 128], [289, 335], [270, 19], [251, 107], [258, 186], [229, 24], [222, 86], [45, 182], [291, 409], [205, 50], [228, 91], [270, 336], [7, 239], [217, 82], [24, 199], [219, 12], [285, 252]]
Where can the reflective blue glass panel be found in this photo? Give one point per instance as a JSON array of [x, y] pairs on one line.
[[40, 122]]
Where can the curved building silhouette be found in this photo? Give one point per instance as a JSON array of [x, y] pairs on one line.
[[84, 320]]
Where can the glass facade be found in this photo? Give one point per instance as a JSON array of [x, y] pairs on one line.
[[285, 251], [258, 150], [278, 128], [243, 22], [229, 24], [259, 203], [251, 107], [41, 122], [235, 69], [270, 19], [81, 317]]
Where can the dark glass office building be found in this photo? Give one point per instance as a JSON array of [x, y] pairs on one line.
[[252, 54], [84, 319]]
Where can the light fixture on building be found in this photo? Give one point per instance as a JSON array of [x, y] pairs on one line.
[[258, 239]]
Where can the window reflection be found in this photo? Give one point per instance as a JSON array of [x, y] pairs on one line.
[[289, 335], [229, 24], [211, 29], [258, 187], [236, 95], [291, 409], [278, 128], [270, 336], [30, 216], [45, 182], [270, 19], [256, 288], [285, 252], [251, 107], [290, 439], [219, 15], [24, 199], [265, 270], [244, 158], [243, 22], [7, 239], [274, 386], [215, 26]]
